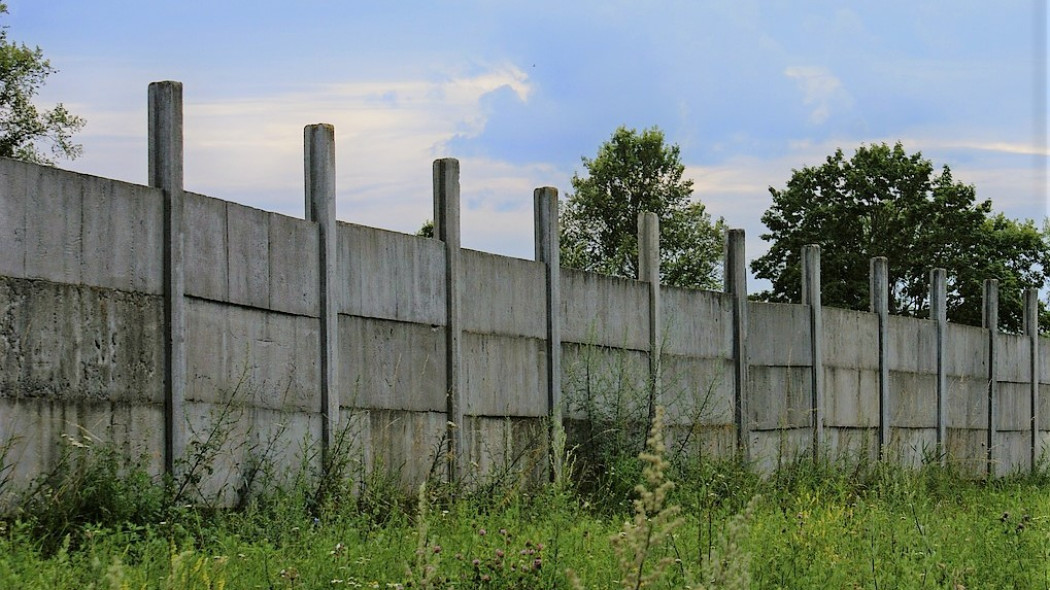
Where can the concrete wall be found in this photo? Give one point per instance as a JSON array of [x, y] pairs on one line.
[[80, 316], [83, 332]]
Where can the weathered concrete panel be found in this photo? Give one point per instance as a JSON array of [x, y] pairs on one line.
[[1044, 360], [206, 248], [967, 450], [700, 441], [391, 365], [509, 450], [851, 397], [123, 232], [913, 447], [605, 311], [390, 275], [603, 381], [259, 358], [248, 233], [250, 443], [1014, 404], [39, 428], [67, 342], [1011, 453], [967, 352], [697, 323], [15, 179], [780, 397], [912, 345], [410, 446], [967, 402], [504, 376], [53, 230], [1044, 407], [851, 446], [913, 400], [851, 340], [1012, 358], [293, 266], [775, 449], [778, 334], [503, 295], [696, 391], [1043, 448]]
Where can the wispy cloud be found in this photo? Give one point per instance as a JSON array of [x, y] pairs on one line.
[[821, 90], [249, 148]]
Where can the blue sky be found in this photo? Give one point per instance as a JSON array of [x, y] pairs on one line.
[[519, 91]]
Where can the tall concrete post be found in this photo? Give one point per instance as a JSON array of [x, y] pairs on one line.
[[165, 173], [811, 297], [319, 164], [1031, 329], [446, 229], [545, 202], [939, 314], [990, 322], [879, 288], [735, 272], [649, 271]]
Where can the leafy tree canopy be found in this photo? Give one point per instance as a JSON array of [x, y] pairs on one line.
[[636, 172], [23, 126], [885, 202]]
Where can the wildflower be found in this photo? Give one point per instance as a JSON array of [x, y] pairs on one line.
[[537, 563], [482, 532], [499, 553], [437, 548], [476, 563]]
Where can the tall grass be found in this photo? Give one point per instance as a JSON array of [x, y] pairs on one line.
[[808, 525]]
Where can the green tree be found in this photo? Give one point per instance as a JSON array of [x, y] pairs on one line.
[[636, 172], [885, 202], [24, 128]]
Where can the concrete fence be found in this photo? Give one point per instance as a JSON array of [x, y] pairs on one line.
[[173, 324]]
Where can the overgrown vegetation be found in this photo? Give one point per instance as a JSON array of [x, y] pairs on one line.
[[95, 523]]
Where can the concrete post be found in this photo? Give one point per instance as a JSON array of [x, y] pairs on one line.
[[446, 229], [649, 271], [165, 173], [990, 322], [879, 288], [811, 297], [545, 201], [939, 314], [319, 163], [1031, 329], [735, 272]]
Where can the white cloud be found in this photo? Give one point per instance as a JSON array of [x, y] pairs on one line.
[[821, 90], [249, 149]]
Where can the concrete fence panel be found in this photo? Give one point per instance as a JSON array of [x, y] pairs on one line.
[[388, 275], [604, 311]]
